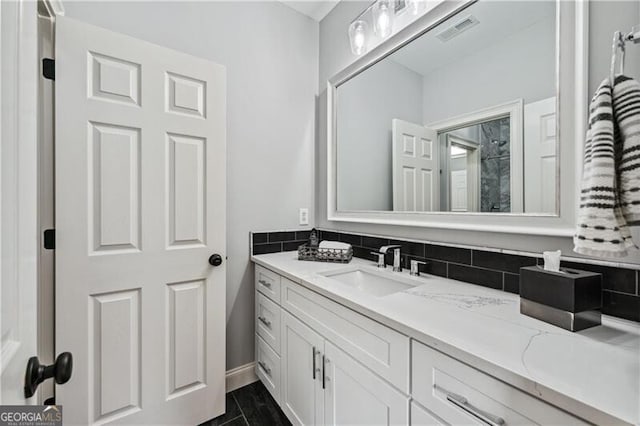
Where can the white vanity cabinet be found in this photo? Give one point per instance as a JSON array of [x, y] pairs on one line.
[[323, 350], [327, 364], [301, 393], [322, 385], [460, 394], [355, 395]]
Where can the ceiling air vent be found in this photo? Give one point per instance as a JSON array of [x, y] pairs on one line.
[[458, 28]]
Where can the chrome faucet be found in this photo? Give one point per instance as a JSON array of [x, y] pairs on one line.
[[381, 263], [397, 264], [415, 267]]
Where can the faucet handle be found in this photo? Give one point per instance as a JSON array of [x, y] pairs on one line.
[[415, 269], [381, 262]]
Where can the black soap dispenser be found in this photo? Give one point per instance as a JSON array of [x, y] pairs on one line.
[[313, 238]]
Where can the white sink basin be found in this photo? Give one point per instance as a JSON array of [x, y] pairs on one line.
[[376, 283]]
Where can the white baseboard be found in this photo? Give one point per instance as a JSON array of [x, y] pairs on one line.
[[241, 376]]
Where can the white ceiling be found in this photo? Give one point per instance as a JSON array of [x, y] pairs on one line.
[[498, 20], [315, 9]]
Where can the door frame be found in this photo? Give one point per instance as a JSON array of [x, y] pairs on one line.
[[22, 110], [473, 170], [515, 111], [47, 10], [32, 268]]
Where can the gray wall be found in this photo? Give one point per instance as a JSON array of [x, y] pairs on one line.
[[383, 92], [271, 56], [520, 66], [605, 17]]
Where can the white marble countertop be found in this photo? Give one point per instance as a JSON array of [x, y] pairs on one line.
[[594, 374]]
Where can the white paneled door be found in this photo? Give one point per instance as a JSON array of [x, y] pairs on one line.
[[416, 171], [140, 185], [459, 191], [540, 149]]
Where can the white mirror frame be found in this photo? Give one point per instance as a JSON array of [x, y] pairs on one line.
[[572, 96]]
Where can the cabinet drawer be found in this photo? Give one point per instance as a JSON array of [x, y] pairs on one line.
[[459, 394], [268, 367], [383, 350], [268, 317], [422, 417], [268, 283]]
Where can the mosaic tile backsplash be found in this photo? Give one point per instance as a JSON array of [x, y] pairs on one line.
[[620, 292]]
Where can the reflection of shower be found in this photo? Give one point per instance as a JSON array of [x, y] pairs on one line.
[[495, 165]]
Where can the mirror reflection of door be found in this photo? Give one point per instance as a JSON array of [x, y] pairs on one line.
[[540, 150], [486, 151], [415, 167], [463, 174]]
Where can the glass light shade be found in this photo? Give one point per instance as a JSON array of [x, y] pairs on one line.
[[414, 6], [383, 18], [358, 37]]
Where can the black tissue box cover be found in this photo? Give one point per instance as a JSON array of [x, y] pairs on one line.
[[571, 290]]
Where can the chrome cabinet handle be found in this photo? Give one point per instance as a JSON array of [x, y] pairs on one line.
[[265, 321], [324, 376], [265, 283], [313, 352], [485, 417], [265, 368]]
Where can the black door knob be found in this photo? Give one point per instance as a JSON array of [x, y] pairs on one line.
[[37, 373], [215, 260]]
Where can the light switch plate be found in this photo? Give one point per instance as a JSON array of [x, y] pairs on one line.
[[303, 216]]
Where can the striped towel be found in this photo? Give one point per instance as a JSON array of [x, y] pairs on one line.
[[601, 228], [626, 114]]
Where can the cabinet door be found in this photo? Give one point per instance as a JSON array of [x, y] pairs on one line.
[[355, 395], [301, 397], [422, 417]]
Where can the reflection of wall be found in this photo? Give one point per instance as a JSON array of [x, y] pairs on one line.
[[495, 179], [380, 94], [521, 66]]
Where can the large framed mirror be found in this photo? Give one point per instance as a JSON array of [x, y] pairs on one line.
[[471, 118]]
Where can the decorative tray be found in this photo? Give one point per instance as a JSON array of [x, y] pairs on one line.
[[317, 254]]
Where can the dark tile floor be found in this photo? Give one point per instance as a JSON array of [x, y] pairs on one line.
[[251, 405]]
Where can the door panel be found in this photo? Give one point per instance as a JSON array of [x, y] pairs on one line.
[[187, 357], [355, 395], [140, 184], [459, 191], [540, 147], [415, 167], [301, 392], [114, 183], [115, 330]]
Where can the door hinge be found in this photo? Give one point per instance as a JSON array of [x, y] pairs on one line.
[[49, 239], [49, 68]]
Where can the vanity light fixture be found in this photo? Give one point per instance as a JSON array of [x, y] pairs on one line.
[[358, 36], [379, 16], [383, 18], [413, 6]]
